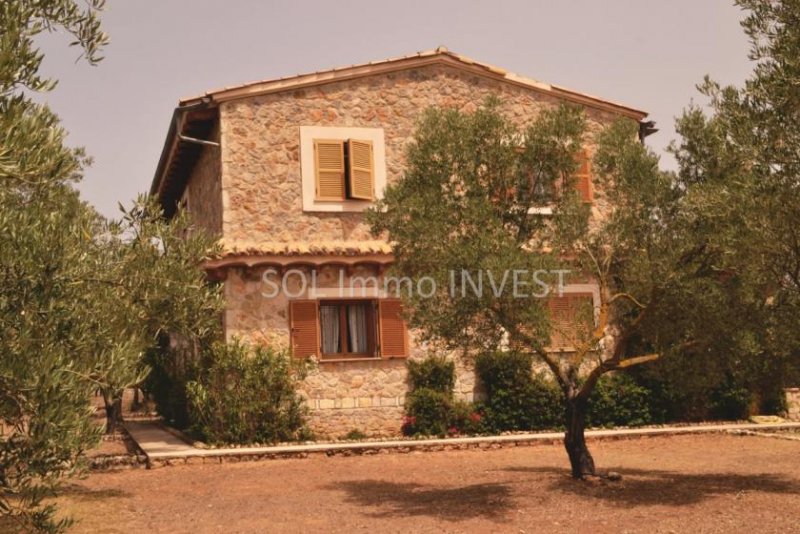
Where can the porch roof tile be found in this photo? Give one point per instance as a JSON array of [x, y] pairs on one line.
[[303, 248]]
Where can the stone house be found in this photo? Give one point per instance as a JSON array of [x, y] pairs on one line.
[[281, 170]]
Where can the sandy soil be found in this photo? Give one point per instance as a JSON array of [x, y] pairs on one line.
[[671, 484]]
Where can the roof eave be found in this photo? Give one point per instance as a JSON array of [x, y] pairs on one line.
[[394, 65], [171, 141], [438, 56], [166, 153]]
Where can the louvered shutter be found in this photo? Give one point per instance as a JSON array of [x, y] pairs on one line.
[[329, 167], [303, 324], [584, 176], [568, 323], [392, 328], [362, 169]]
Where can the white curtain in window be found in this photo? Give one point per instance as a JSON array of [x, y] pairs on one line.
[[357, 323], [329, 323]]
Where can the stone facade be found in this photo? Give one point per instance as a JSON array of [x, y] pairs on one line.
[[261, 180], [249, 192], [366, 395]]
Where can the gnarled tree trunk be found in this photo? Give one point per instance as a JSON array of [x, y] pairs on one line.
[[580, 459], [113, 412]]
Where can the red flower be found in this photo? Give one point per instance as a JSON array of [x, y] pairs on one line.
[[452, 431], [409, 420], [475, 417]]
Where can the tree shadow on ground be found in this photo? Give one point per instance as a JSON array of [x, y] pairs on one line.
[[392, 499], [645, 487], [76, 491]]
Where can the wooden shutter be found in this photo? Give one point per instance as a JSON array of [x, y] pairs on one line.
[[584, 176], [304, 327], [329, 169], [568, 323], [392, 329], [362, 169]]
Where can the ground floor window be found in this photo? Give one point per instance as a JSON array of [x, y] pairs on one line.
[[347, 328], [351, 328]]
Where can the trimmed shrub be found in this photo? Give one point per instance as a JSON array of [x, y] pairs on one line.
[[682, 388], [730, 401], [428, 412], [436, 373], [433, 413], [516, 399], [430, 407], [618, 400], [245, 395], [467, 418]]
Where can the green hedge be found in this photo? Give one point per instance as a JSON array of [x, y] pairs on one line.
[[685, 389], [245, 395], [431, 409], [618, 400], [435, 372], [518, 399], [515, 398]]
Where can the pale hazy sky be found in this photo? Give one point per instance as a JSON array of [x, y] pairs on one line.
[[648, 54]]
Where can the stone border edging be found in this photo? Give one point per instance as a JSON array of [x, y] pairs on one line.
[[117, 462], [216, 456], [747, 432]]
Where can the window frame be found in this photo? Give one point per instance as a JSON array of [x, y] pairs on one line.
[[308, 167], [372, 326]]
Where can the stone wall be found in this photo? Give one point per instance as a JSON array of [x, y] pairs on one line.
[[793, 403], [261, 179], [203, 193]]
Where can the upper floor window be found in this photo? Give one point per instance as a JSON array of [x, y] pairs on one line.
[[582, 181], [584, 176], [342, 168]]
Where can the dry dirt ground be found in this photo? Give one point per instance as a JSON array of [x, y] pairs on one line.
[[713, 483]]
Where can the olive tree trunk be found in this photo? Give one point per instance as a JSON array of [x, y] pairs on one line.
[[580, 459], [113, 404]]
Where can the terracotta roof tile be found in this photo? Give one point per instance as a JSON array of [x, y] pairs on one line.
[[304, 248]]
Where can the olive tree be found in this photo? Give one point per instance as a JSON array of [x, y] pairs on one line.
[[481, 194], [743, 153], [82, 298]]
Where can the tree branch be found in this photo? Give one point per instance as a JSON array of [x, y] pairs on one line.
[[627, 296], [636, 360]]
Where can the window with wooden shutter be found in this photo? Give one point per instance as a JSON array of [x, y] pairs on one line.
[[584, 176], [304, 327], [393, 333], [329, 168], [362, 170], [347, 329], [571, 319]]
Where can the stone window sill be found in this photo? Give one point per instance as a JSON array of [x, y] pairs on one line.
[[363, 359]]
